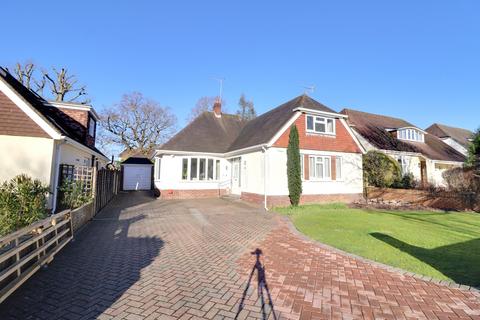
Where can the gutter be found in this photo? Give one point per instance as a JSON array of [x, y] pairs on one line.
[[264, 149]]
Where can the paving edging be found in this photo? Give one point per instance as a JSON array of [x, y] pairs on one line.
[[447, 283]]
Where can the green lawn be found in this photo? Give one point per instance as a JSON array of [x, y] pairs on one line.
[[443, 245]]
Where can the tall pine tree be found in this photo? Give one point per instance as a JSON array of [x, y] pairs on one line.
[[293, 167]]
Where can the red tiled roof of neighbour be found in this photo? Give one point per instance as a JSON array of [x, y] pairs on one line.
[[460, 135], [373, 127]]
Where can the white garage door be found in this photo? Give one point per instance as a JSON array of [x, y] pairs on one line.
[[137, 177]]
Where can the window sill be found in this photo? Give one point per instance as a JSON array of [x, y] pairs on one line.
[[313, 133]]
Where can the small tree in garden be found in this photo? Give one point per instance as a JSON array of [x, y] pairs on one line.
[[293, 167], [473, 158], [22, 202], [380, 170]]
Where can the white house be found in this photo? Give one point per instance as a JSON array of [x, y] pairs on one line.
[[417, 151], [457, 138], [219, 154], [37, 136]]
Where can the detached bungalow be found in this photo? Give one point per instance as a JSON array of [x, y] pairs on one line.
[[417, 151], [457, 138], [36, 136], [219, 154]]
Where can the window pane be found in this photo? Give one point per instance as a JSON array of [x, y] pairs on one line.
[[319, 127], [184, 169], [217, 170], [311, 168], [338, 168], [327, 167], [309, 123], [193, 169], [202, 168], [330, 125], [319, 168], [210, 169]]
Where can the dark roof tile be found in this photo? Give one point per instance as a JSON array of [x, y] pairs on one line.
[[460, 135]]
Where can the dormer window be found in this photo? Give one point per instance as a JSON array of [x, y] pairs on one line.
[[91, 127], [323, 125], [410, 134]]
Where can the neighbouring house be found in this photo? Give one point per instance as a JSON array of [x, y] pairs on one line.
[[218, 154], [417, 151], [37, 136], [457, 138]]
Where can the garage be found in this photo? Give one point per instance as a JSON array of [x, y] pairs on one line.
[[137, 174]]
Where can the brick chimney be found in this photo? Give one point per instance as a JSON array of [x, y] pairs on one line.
[[79, 117], [217, 108]]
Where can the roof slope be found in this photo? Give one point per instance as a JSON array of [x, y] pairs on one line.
[[51, 114], [460, 135], [207, 133], [373, 128], [263, 128]]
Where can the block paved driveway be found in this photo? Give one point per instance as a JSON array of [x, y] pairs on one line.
[[192, 259]]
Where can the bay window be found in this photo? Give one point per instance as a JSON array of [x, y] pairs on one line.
[[320, 124], [200, 169]]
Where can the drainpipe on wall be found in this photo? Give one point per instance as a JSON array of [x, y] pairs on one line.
[[57, 174], [265, 178]]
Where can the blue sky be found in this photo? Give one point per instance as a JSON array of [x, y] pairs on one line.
[[418, 60]]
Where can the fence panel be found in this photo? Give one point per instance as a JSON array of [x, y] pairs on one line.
[[107, 186], [23, 252]]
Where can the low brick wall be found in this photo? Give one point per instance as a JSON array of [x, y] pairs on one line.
[[439, 200], [82, 215], [191, 194], [281, 201]]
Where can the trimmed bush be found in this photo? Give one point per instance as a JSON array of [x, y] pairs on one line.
[[22, 202], [380, 170], [293, 167]]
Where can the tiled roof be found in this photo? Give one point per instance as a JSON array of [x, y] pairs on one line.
[[373, 127], [460, 135]]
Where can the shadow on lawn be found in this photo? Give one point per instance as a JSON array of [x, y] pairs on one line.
[[459, 261]]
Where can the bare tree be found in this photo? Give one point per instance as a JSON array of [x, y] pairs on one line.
[[63, 86], [246, 109], [138, 123], [203, 104]]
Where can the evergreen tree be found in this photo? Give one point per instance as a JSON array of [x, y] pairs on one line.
[[293, 167], [246, 109], [473, 158]]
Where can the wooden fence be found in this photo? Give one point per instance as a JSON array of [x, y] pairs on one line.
[[23, 252], [107, 184]]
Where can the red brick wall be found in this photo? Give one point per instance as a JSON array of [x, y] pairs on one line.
[[191, 194], [280, 201], [341, 142], [78, 121], [15, 122]]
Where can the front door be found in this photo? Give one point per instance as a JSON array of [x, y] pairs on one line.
[[236, 176]]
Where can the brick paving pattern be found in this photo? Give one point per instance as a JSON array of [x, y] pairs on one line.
[[191, 259]]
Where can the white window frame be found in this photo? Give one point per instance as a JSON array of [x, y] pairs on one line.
[[322, 120], [189, 164], [411, 134], [403, 164], [312, 172]]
